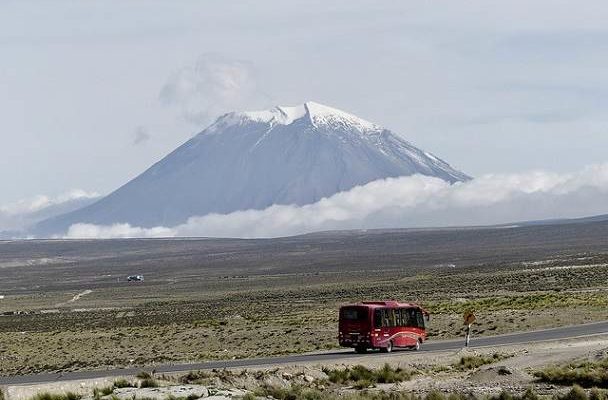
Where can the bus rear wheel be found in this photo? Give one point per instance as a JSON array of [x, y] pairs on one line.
[[388, 348], [417, 346], [361, 350]]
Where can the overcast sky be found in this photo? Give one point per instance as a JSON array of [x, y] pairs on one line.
[[92, 93]]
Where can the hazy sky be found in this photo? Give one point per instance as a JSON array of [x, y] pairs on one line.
[[92, 93]]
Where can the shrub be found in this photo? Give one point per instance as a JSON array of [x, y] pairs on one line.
[[337, 375], [1, 395], [148, 383], [98, 393], [576, 393], [435, 395], [144, 375], [389, 375], [194, 377], [363, 383], [529, 395], [55, 396], [122, 383], [360, 375], [473, 362], [597, 394], [587, 374]]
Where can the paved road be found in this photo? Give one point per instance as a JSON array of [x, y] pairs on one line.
[[597, 328]]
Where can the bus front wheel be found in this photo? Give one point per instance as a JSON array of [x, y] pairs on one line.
[[417, 346]]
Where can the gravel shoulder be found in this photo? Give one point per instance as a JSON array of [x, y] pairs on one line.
[[435, 371]]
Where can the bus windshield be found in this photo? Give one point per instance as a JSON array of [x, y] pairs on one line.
[[353, 313]]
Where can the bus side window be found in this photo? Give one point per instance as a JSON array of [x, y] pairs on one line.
[[398, 317], [377, 318], [419, 319], [403, 313], [385, 321], [411, 317]]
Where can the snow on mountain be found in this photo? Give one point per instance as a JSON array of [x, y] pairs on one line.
[[252, 160]]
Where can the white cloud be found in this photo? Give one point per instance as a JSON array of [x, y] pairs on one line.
[[413, 201], [214, 85], [39, 202], [89, 231], [23, 213]]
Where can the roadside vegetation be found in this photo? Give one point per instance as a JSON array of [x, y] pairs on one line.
[[476, 361], [361, 377], [301, 392], [56, 396], [587, 374]]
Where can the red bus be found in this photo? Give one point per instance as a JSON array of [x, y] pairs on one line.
[[382, 325]]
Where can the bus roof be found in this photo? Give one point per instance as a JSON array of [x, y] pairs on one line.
[[386, 303]]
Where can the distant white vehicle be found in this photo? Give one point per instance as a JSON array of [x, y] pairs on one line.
[[135, 278]]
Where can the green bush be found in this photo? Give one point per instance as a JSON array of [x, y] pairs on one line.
[[360, 375], [435, 395], [294, 392], [55, 396], [597, 394], [122, 383], [194, 377], [1, 395], [98, 393], [148, 383], [587, 374], [576, 393], [363, 383], [144, 375], [473, 362]]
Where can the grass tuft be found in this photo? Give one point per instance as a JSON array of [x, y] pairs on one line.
[[122, 383], [586, 374], [361, 377], [474, 362], [148, 383], [56, 396]]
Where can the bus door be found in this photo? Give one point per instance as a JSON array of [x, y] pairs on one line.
[[414, 322]]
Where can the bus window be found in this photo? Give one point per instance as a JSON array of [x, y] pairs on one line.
[[411, 317], [377, 318], [353, 314], [391, 318], [398, 314], [385, 320], [419, 319]]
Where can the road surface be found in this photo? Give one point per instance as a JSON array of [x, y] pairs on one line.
[[566, 332]]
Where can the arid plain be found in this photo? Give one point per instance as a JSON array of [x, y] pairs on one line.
[[67, 304]]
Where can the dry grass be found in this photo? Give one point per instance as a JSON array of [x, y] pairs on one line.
[[587, 374], [268, 315]]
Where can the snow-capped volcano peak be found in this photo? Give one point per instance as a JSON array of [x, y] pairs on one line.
[[315, 113], [252, 160]]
